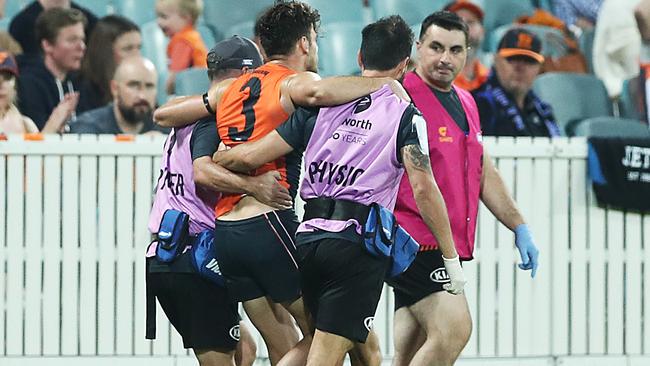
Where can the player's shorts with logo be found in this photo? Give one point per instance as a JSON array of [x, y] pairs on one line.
[[341, 284], [257, 256], [425, 276], [201, 311]]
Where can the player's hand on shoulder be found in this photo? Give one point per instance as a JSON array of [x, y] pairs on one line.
[[456, 275], [269, 191]]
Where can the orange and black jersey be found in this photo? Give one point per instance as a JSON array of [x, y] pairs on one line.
[[249, 109]]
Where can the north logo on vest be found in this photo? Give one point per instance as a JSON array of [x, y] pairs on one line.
[[234, 332], [439, 275], [362, 104]]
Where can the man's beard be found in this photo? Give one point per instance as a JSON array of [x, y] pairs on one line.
[[134, 115]]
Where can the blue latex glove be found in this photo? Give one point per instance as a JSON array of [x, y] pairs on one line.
[[527, 249]]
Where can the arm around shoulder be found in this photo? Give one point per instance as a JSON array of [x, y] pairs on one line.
[[308, 89], [182, 111], [251, 155]]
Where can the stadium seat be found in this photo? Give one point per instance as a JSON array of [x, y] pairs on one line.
[[339, 47], [4, 24], [629, 100], [502, 12], [223, 14], [244, 29], [415, 28], [12, 7], [612, 127], [154, 47], [332, 11], [574, 97], [139, 11], [207, 34], [544, 4], [413, 11], [552, 39], [192, 81], [98, 7]]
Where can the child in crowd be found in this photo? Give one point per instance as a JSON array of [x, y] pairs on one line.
[[11, 120], [186, 49]]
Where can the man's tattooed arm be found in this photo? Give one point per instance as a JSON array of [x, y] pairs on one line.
[[413, 155]]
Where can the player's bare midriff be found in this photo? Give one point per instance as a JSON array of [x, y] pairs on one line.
[[246, 208]]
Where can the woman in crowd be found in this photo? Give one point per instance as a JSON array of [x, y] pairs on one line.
[[100, 61]]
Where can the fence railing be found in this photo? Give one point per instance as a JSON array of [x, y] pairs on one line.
[[73, 217]]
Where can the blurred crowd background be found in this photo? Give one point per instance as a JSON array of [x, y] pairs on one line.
[[579, 67]]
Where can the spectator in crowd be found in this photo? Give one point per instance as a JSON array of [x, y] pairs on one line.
[[642, 15], [507, 105], [47, 85], [7, 42], [186, 49], [113, 39], [11, 120], [23, 24], [474, 74], [617, 44], [134, 95], [578, 15]]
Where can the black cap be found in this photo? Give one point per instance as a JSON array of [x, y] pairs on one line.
[[520, 42], [234, 53]]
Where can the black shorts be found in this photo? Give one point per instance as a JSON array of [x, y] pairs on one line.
[[425, 276], [257, 256], [200, 311], [341, 286]]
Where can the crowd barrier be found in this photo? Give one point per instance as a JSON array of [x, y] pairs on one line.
[[73, 229]]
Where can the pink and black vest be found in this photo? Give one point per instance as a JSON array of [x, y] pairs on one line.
[[352, 155], [175, 187], [456, 161]]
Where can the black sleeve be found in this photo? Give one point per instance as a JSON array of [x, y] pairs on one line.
[[205, 139], [297, 130], [408, 133]]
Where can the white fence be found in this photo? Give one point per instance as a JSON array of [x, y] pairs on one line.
[[73, 214]]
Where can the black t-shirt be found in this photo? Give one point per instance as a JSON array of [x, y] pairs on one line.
[[205, 139], [453, 106], [297, 131]]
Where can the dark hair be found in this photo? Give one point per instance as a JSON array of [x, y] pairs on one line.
[[50, 22], [98, 65], [283, 24], [385, 43], [446, 20]]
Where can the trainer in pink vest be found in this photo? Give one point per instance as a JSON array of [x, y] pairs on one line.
[[352, 155], [456, 161], [175, 188]]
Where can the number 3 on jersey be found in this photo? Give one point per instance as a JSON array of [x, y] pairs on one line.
[[255, 86]]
